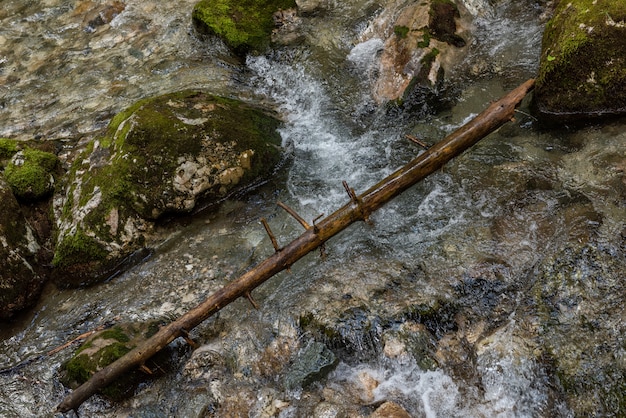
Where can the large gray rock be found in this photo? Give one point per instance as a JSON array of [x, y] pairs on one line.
[[161, 156]]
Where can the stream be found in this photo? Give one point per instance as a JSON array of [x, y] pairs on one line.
[[444, 305]]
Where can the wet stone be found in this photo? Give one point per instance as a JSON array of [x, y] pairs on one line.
[[580, 297], [313, 363], [164, 156]]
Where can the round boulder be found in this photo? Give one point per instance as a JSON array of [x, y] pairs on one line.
[[582, 72], [160, 157]]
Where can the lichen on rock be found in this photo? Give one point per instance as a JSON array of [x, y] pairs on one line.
[[160, 157], [582, 72]]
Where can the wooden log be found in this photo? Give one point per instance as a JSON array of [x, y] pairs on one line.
[[358, 209]]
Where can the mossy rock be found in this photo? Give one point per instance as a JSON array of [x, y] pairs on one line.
[[103, 348], [160, 157], [245, 25], [580, 294], [582, 72], [20, 280], [30, 173]]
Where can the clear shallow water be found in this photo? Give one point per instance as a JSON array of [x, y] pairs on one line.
[[61, 75], [490, 215]]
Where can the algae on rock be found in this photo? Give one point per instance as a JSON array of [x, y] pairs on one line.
[[582, 72], [161, 156]]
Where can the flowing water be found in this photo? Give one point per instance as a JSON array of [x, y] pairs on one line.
[[472, 236]]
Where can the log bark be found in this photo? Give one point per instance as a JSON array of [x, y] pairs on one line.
[[358, 209]]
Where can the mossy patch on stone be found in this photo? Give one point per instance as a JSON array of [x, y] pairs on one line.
[[100, 350], [401, 31], [78, 248], [244, 25], [8, 147], [30, 174], [582, 72], [160, 157], [107, 346]]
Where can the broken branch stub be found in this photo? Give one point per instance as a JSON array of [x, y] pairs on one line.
[[358, 209]]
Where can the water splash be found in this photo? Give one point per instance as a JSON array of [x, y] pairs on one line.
[[326, 152]]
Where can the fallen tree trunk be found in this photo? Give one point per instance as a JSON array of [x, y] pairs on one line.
[[358, 209]]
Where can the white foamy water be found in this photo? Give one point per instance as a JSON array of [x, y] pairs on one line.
[[510, 388], [325, 151]]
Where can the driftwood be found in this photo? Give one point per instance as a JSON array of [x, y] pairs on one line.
[[358, 209]]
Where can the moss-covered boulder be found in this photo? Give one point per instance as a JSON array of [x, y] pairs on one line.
[[20, 281], [8, 148], [160, 157], [245, 25], [582, 72]]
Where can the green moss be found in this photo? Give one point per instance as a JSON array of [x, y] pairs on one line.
[[115, 333], [78, 249], [96, 353], [425, 42], [31, 179], [46, 160], [428, 59], [401, 31], [243, 24], [8, 147]]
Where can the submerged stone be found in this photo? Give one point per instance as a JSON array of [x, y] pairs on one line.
[[160, 157], [582, 72], [314, 362]]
